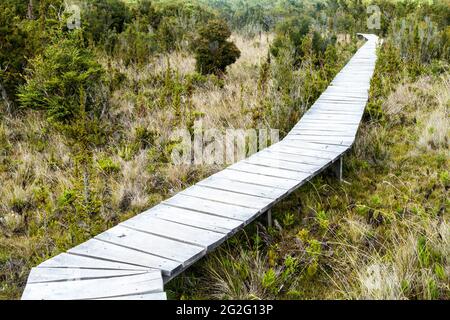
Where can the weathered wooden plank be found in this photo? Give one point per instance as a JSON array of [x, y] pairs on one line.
[[333, 117], [313, 132], [338, 141], [321, 127], [212, 207], [307, 146], [38, 275], [332, 111], [273, 154], [95, 288], [151, 244], [174, 231], [146, 296], [242, 187], [292, 148], [275, 182], [102, 250], [228, 197], [335, 140], [194, 218], [268, 171], [282, 164], [66, 260]]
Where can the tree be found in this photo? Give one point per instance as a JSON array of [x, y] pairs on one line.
[[103, 17], [67, 83], [12, 54], [21, 39], [213, 51], [290, 34]]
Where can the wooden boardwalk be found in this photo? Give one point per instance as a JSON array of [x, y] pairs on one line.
[[134, 259]]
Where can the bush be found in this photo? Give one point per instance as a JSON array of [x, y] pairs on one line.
[[64, 81], [103, 16], [212, 50]]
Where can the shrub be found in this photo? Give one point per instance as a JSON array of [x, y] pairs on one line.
[[103, 16], [212, 50], [108, 166], [64, 81]]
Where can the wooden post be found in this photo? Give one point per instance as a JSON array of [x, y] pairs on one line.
[[337, 168], [269, 218]]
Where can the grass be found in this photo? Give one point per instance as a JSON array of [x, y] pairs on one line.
[[329, 240], [383, 234]]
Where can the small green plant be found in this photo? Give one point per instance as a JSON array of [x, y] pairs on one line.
[[288, 219], [108, 166], [269, 281], [323, 220], [423, 252]]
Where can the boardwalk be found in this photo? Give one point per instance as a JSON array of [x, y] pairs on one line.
[[134, 259]]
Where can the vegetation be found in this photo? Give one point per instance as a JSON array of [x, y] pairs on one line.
[[212, 50], [87, 116]]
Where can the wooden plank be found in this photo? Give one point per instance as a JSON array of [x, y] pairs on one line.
[[282, 164], [315, 132], [102, 250], [340, 141], [273, 154], [333, 117], [95, 288], [66, 260], [274, 182], [242, 187], [174, 231], [318, 126], [227, 197], [194, 218], [38, 275], [212, 207], [332, 111], [147, 296], [271, 172], [307, 146], [295, 150], [151, 244]]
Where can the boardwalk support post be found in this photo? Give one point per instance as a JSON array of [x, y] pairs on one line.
[[269, 218], [337, 168]]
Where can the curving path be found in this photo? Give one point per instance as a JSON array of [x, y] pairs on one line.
[[134, 259]]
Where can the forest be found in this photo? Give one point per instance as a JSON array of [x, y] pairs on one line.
[[92, 91]]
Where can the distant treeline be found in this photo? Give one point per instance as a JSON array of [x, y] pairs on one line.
[[136, 30]]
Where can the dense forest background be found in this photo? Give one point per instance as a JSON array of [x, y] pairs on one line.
[[87, 112]]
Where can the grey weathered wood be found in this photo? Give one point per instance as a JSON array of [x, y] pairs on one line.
[[242, 200], [67, 260], [270, 171], [38, 275], [282, 164], [242, 187], [194, 218], [95, 248], [145, 296], [155, 245], [220, 209], [255, 178], [311, 160], [173, 230], [95, 288]]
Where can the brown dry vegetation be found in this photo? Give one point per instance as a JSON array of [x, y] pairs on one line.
[[382, 234]]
